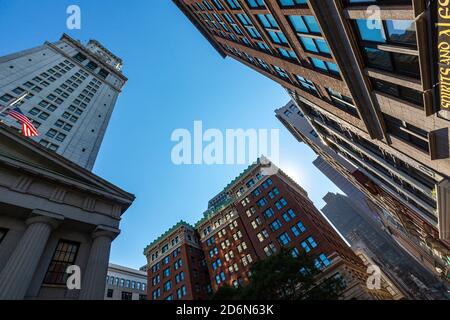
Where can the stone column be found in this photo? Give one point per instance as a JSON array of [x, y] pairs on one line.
[[16, 276], [94, 275]]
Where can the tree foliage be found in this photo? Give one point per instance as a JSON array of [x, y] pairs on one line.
[[284, 277]]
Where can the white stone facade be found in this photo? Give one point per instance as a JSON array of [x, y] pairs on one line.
[[53, 214], [123, 283], [71, 99]]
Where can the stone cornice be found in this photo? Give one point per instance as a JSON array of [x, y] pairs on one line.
[[78, 45], [87, 182]]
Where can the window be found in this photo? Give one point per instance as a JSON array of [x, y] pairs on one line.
[[6, 98], [371, 30], [127, 295], [256, 4], [167, 285], [298, 229], [262, 202], [156, 267], [271, 26], [275, 225], [267, 183], [315, 45], [404, 93], [268, 213], [250, 183], [323, 258], [216, 264], [274, 191], [281, 72], [311, 241], [233, 4], [166, 272], [80, 57], [64, 256], [305, 246], [270, 249], [28, 84], [268, 21], [178, 264], [287, 216], [304, 24], [401, 32], [53, 147], [307, 85], [34, 111], [110, 293], [156, 280], [52, 108], [179, 277], [44, 143], [218, 5], [256, 192], [284, 239], [407, 132], [2, 234], [288, 54], [18, 90], [404, 64], [280, 203], [292, 3], [60, 137], [263, 47], [325, 66], [156, 293], [51, 133], [262, 235], [343, 102], [92, 66], [181, 292]]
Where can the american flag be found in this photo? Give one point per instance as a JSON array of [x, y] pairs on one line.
[[28, 130]]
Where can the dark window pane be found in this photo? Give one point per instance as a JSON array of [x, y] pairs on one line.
[[407, 64], [370, 30], [378, 59], [401, 92], [401, 31], [385, 87], [407, 132], [64, 256], [2, 234], [411, 95]]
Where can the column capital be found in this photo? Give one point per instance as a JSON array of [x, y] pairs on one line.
[[41, 216], [105, 231]]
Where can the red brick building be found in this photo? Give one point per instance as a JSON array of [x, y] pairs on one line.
[[256, 215], [176, 266], [366, 74]]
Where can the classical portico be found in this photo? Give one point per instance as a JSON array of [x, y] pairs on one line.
[[53, 213]]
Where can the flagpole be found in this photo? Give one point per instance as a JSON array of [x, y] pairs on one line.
[[15, 101], [18, 99]]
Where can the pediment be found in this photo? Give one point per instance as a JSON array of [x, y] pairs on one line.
[[22, 152]]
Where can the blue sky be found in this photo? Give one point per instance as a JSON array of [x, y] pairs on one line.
[[175, 78]]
